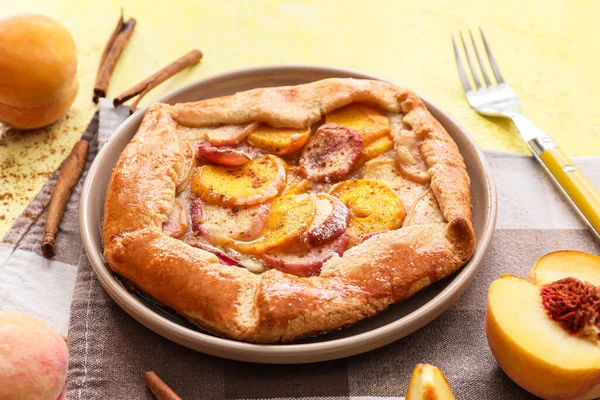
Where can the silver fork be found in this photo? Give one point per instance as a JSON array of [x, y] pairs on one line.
[[496, 98]]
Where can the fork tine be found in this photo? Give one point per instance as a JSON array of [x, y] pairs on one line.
[[495, 68], [461, 69], [485, 75], [471, 65]]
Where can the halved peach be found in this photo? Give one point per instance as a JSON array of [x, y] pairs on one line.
[[370, 123], [544, 329], [252, 183], [279, 141], [373, 206], [428, 383]]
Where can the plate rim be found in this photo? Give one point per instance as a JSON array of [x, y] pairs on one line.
[[283, 353]]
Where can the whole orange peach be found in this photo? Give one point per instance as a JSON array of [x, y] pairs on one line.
[[38, 65], [33, 359]]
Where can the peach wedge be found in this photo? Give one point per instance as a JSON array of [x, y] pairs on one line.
[[428, 383], [544, 329]]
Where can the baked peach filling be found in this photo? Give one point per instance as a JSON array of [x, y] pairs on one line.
[[268, 197]]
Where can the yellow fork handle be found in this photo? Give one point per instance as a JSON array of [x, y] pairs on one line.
[[580, 190]]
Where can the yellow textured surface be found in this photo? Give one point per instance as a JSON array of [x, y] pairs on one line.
[[548, 51]]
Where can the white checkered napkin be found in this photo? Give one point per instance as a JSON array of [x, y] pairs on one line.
[[30, 283]]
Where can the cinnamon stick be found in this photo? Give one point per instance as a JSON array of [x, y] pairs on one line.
[[112, 51], [142, 88], [67, 179], [112, 38], [159, 388]]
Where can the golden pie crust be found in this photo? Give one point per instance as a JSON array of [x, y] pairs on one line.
[[274, 306]]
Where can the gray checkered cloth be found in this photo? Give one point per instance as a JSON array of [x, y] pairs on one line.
[[110, 351]]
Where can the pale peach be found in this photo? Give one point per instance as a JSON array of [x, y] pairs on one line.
[[33, 359], [533, 339]]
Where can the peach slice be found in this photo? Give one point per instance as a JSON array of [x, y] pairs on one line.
[[544, 329], [298, 187], [370, 123], [410, 164], [223, 258], [376, 148], [331, 153], [428, 383], [290, 217], [374, 207], [331, 220], [385, 171], [279, 141], [187, 167], [296, 184], [231, 156], [252, 183], [177, 223], [228, 135], [306, 263], [219, 225]]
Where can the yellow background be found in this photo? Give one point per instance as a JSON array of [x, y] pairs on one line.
[[547, 50]]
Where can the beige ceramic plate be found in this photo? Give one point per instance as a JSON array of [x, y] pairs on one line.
[[396, 322]]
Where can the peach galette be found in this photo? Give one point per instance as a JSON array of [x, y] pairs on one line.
[[286, 212]]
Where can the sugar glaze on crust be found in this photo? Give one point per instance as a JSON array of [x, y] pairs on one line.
[[274, 306]]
